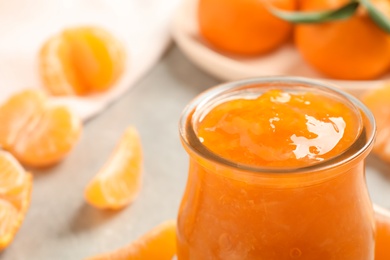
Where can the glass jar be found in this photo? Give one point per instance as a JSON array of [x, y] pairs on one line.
[[231, 211]]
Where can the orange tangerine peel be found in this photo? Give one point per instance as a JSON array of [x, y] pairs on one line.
[[81, 61], [37, 132], [243, 27], [159, 243], [118, 183], [330, 47]]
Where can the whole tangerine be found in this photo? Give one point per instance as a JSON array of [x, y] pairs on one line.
[[351, 49], [243, 27]]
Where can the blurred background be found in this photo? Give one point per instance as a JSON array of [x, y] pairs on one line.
[[174, 50]]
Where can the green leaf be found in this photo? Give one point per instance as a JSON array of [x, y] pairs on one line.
[[341, 13], [377, 16]]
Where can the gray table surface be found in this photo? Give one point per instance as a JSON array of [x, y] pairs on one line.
[[60, 225]]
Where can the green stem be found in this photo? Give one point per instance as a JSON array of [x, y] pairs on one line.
[[377, 16], [341, 13]]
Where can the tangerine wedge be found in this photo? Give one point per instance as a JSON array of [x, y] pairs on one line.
[[81, 61], [37, 132], [378, 102], [15, 114], [158, 244], [15, 194], [118, 183]]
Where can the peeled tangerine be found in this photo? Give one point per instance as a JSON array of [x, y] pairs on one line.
[[15, 194], [158, 244], [81, 61], [37, 132], [117, 184]]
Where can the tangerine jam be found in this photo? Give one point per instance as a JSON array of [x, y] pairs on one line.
[[279, 129], [276, 172]]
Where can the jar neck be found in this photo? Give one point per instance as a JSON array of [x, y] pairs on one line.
[[270, 180]]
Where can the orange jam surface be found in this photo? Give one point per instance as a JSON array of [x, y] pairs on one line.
[[280, 129]]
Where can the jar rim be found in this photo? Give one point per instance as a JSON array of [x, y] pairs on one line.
[[191, 141]]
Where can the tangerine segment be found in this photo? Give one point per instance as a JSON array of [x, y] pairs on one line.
[[8, 213], [13, 206], [12, 175], [118, 182], [36, 132], [49, 138], [159, 244], [382, 238], [332, 47], [243, 27], [378, 102], [16, 113], [81, 61], [88, 45], [56, 68]]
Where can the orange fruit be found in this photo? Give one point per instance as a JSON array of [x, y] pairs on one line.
[[243, 27], [81, 61], [37, 132], [118, 183], [157, 244], [15, 194], [382, 237], [351, 49], [378, 102]]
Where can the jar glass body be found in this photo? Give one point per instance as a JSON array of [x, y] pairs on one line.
[[230, 211]]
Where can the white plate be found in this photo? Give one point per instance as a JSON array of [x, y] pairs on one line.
[[382, 211], [284, 61]]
